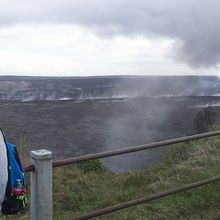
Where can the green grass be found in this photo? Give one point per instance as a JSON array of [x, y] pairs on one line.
[[86, 187]]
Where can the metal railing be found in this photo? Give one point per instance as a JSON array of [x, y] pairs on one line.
[[42, 164]]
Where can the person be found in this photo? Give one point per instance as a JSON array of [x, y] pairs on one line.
[[3, 169]]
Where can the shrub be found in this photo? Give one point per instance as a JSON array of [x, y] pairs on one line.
[[91, 166], [204, 120]]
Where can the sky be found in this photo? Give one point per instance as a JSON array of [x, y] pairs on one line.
[[109, 37]]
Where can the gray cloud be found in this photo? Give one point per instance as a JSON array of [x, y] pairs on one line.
[[194, 24]]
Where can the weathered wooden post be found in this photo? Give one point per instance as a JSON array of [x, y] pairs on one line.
[[41, 185]]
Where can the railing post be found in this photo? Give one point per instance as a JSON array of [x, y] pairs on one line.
[[41, 185]]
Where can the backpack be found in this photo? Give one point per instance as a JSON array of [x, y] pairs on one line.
[[16, 197]]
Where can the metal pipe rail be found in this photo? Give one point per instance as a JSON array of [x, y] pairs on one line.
[[69, 161], [145, 199]]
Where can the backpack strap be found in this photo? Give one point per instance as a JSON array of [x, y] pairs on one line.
[[17, 158]]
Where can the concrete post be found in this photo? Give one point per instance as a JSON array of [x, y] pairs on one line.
[[41, 185]]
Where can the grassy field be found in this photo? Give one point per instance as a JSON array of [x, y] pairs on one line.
[[90, 186]]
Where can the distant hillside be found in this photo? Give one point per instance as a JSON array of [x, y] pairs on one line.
[[79, 88]]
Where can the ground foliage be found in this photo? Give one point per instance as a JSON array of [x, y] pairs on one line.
[[183, 163]]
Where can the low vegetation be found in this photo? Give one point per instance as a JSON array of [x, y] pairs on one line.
[[78, 191], [90, 186]]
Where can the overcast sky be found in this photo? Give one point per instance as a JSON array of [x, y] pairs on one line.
[[109, 37]]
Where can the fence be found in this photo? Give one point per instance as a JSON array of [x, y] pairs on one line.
[[41, 178]]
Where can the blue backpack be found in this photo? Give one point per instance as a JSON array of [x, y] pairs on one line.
[[16, 197]]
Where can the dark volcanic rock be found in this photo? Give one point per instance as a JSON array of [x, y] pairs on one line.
[[71, 129]]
